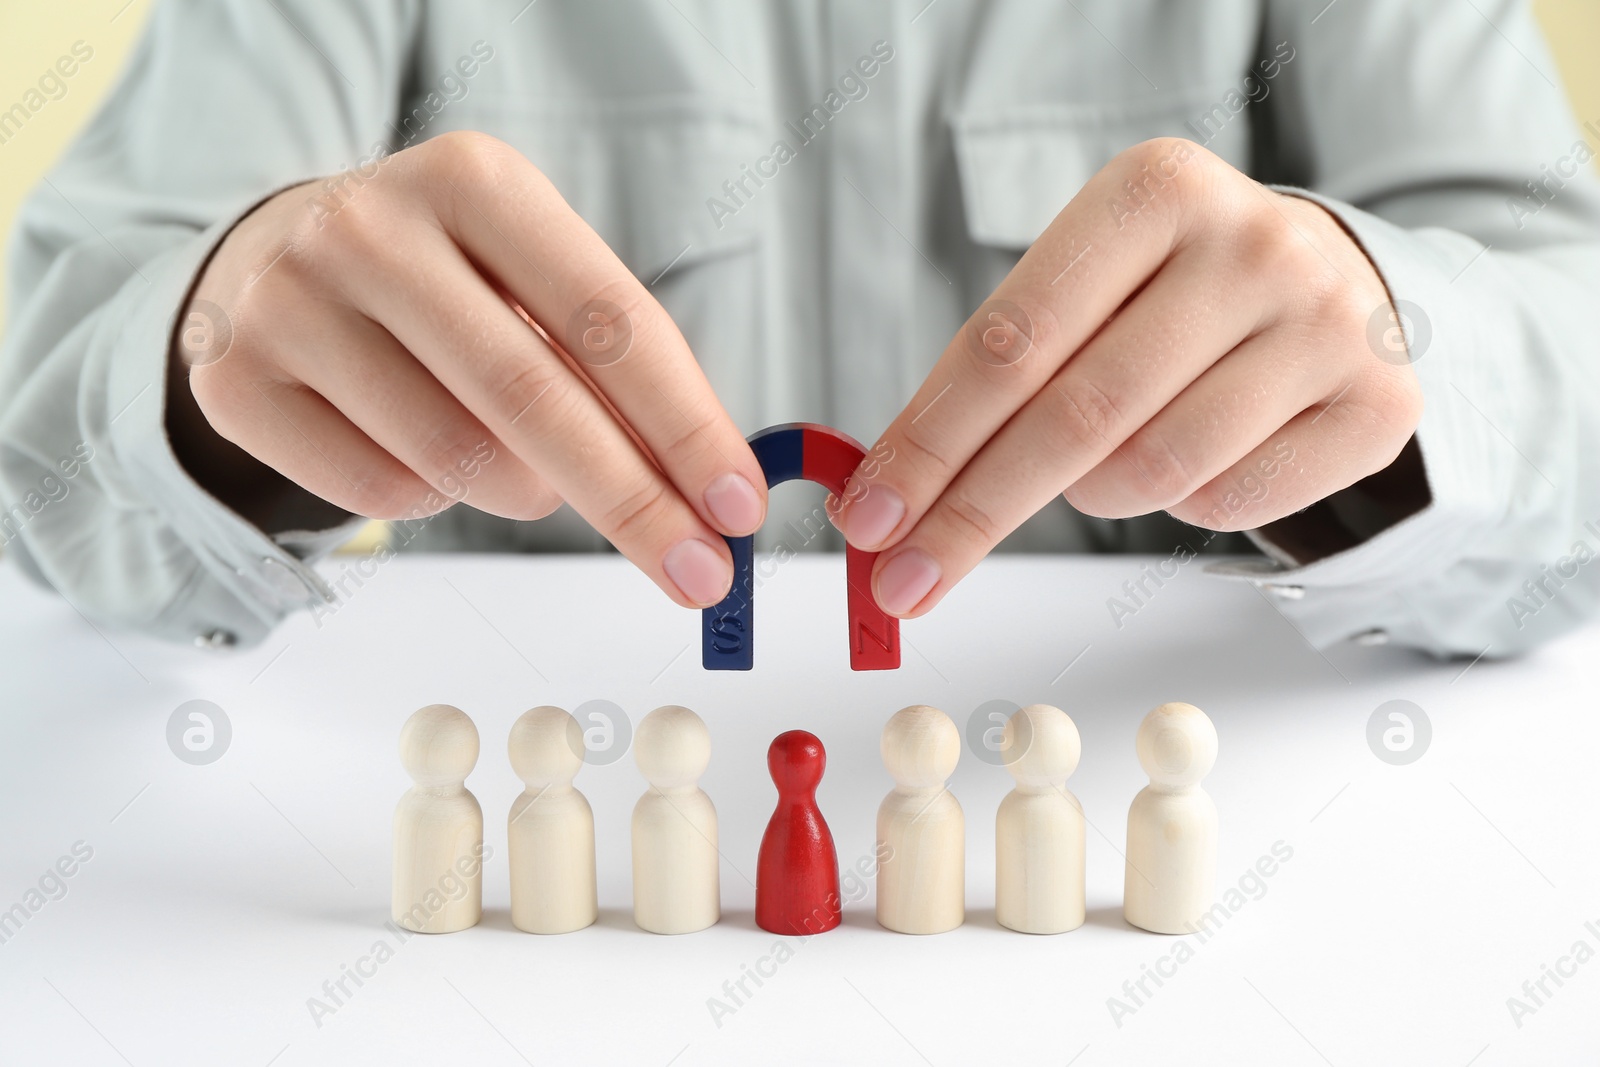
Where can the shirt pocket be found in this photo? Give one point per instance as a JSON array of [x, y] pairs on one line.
[[1019, 165]]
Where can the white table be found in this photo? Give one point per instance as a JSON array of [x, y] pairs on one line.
[[220, 898]]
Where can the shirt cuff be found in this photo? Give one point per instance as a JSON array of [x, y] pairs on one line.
[[1466, 476], [257, 579]]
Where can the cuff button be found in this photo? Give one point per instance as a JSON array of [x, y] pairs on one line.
[[215, 639]]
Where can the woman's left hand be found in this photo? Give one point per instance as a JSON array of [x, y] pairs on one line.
[[1178, 330]]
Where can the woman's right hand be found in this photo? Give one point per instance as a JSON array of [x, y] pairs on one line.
[[372, 340]]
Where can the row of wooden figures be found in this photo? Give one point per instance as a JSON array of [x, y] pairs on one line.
[[1039, 829]]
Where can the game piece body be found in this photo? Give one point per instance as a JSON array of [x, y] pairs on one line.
[[797, 872], [675, 860], [1039, 828], [1171, 875], [921, 829], [438, 826], [550, 829], [825, 456]]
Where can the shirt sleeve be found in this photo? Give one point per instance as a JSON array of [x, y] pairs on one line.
[[1438, 134], [222, 103]]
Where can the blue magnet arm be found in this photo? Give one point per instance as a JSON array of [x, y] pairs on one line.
[[727, 639], [781, 451]]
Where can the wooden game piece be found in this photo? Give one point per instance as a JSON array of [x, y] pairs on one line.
[[675, 873], [1171, 875], [921, 830], [438, 826], [797, 872], [550, 829], [825, 456], [1039, 829]]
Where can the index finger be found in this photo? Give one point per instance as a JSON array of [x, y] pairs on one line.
[[1103, 247], [517, 228]]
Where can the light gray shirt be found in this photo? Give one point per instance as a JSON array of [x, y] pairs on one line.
[[819, 192]]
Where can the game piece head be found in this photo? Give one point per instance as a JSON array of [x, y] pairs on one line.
[[796, 760], [1177, 746], [546, 747], [920, 747], [672, 747], [439, 745], [1040, 746]]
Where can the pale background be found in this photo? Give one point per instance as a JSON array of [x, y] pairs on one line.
[[33, 33]]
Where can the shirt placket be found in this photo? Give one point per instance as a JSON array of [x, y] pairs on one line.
[[870, 253]]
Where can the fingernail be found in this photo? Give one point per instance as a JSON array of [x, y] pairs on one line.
[[733, 502], [698, 571], [873, 516], [906, 579]]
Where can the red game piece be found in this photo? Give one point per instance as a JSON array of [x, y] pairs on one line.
[[797, 874]]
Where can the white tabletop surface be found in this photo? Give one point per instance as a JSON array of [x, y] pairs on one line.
[[218, 899]]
